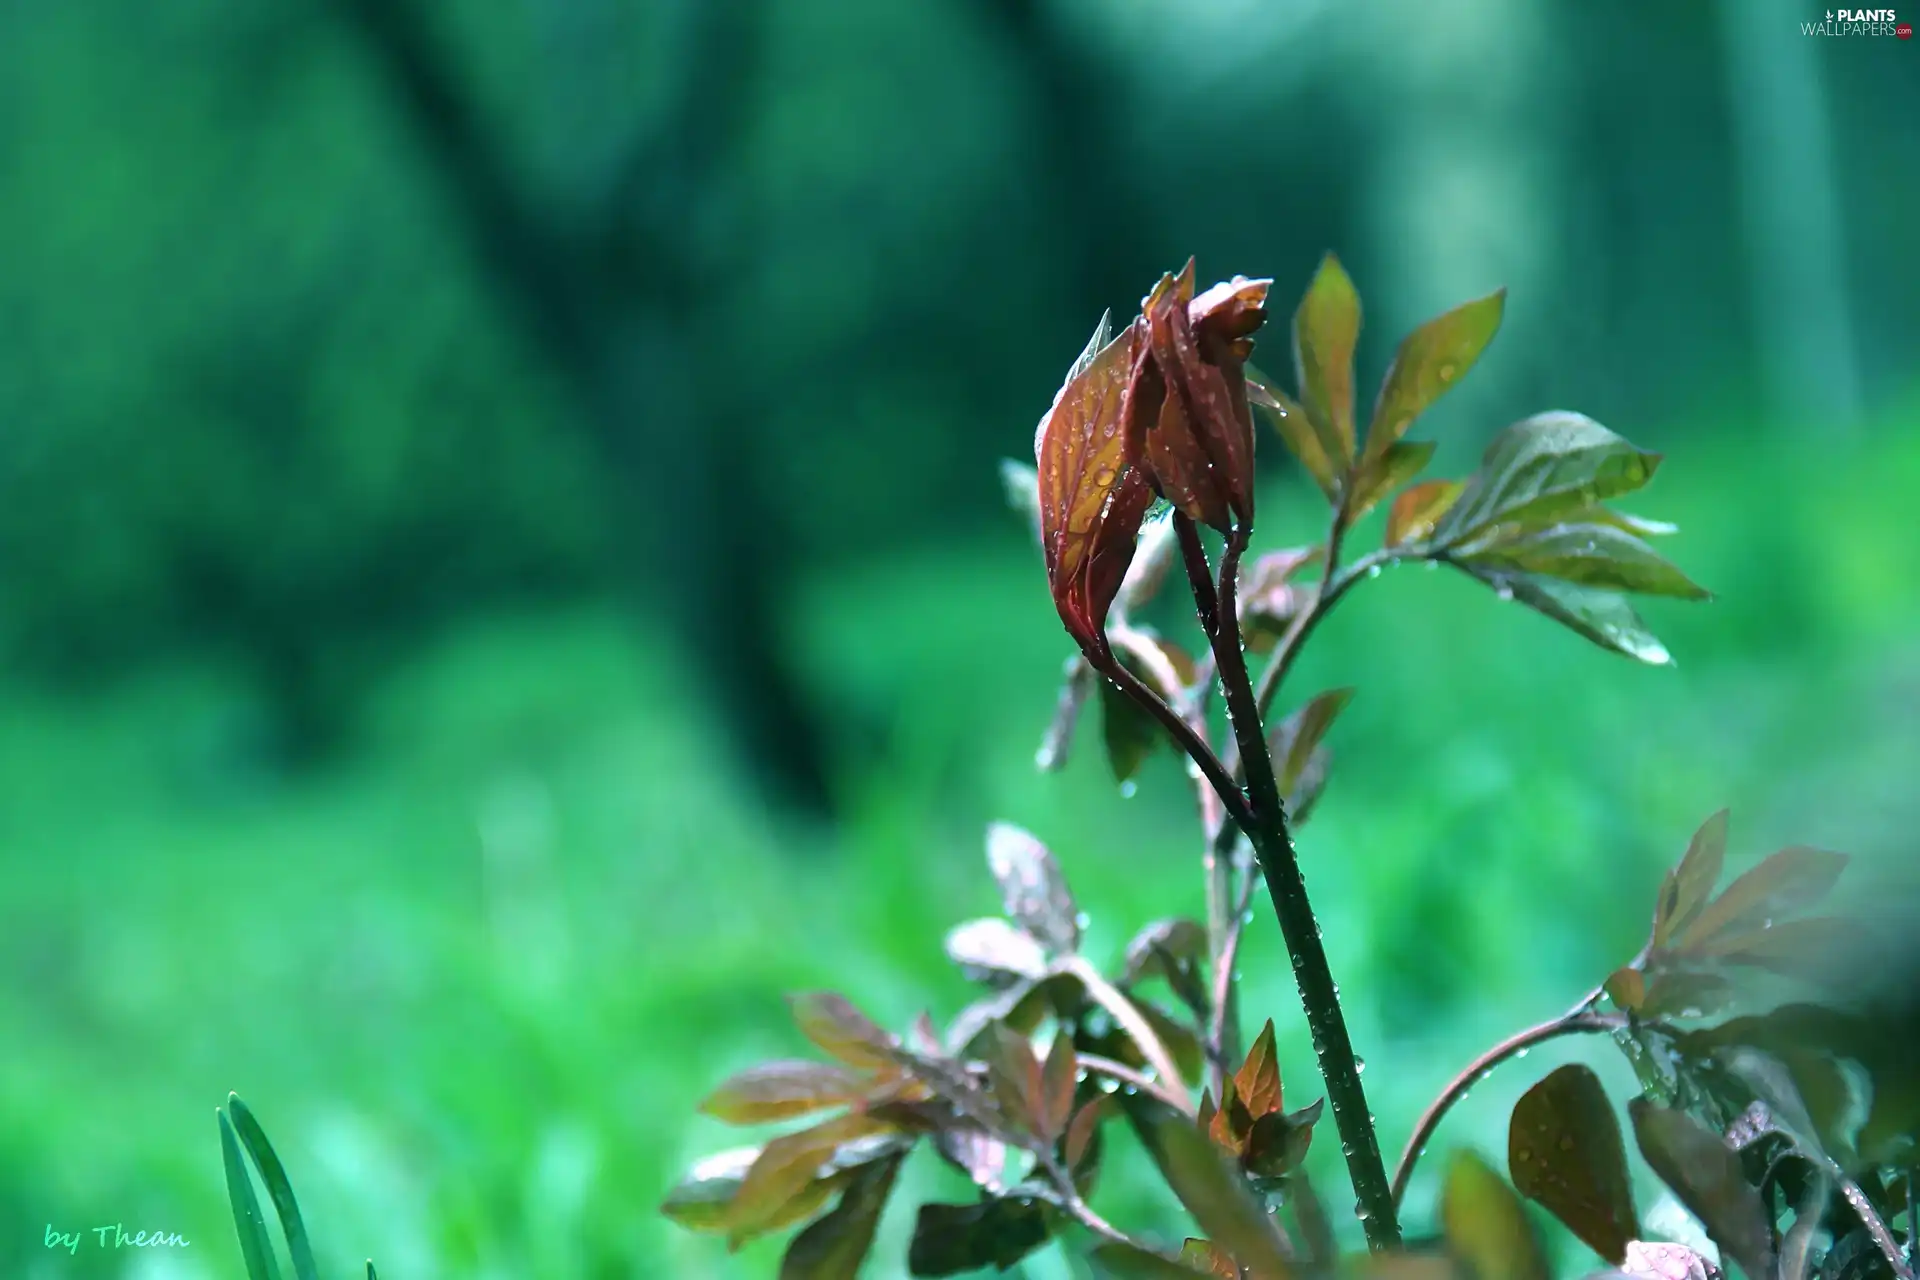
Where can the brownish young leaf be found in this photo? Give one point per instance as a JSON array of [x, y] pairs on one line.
[[789, 1164], [1213, 1191], [1627, 988], [782, 1090], [1203, 1257], [842, 1031], [1293, 740], [1278, 1143], [1430, 361], [1690, 885], [1091, 501], [1270, 595], [1033, 888], [1705, 1174], [1418, 509], [1053, 1101], [699, 1201], [1084, 1130], [1326, 328], [1564, 1150], [1486, 1225], [1015, 1073], [1258, 1081], [1781, 884], [834, 1247]]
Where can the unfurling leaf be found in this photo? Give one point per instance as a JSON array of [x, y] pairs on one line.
[[1257, 1083], [1117, 1261], [1486, 1225], [1326, 328], [1381, 475], [1541, 469], [993, 949], [1591, 554], [1705, 1174], [1431, 360], [1294, 739], [951, 1238], [1033, 888], [1415, 512], [1564, 1150], [1186, 420], [834, 1247], [1279, 1141], [1689, 885], [842, 1031], [782, 1090], [1270, 599], [1604, 617], [1627, 988], [1091, 501], [1212, 1190], [1296, 432]]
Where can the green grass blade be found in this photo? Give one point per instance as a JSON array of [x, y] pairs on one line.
[[370, 1275], [275, 1176], [255, 1247]]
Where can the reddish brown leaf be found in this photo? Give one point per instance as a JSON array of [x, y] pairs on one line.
[[1201, 1255], [1119, 1261], [1278, 1142], [1564, 1150], [782, 1090], [1627, 988], [699, 1201], [1685, 993], [1212, 1190], [1258, 1081], [1270, 597], [1091, 502], [834, 1247], [1083, 1130], [842, 1031], [1781, 884], [1053, 1100], [788, 1166], [1418, 509], [1015, 1073], [1186, 420], [1798, 948], [1294, 739], [1705, 1174]]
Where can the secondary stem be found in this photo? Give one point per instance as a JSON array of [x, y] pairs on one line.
[[1579, 1021]]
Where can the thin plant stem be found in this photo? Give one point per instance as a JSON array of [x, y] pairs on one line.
[[1184, 736], [1130, 1019], [1578, 1021], [1273, 849]]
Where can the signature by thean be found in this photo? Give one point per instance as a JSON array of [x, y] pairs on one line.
[[115, 1236]]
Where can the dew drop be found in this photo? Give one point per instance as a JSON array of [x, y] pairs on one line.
[[1446, 372], [1360, 1211], [1432, 565], [1104, 476], [1082, 920], [1359, 1065], [1522, 1053], [1128, 789], [1566, 1142], [1504, 591]]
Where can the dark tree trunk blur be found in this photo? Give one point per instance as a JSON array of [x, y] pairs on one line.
[[639, 314]]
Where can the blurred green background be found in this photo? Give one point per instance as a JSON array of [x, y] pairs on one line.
[[502, 572]]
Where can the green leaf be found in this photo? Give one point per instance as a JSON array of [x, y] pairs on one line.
[[1415, 512], [1543, 468], [1486, 1224], [951, 1238], [1326, 328], [1130, 1262], [841, 1031], [1430, 361], [279, 1189], [834, 1247], [255, 1246], [1034, 890], [1690, 885], [1297, 432], [1705, 1174], [1604, 617], [370, 1272], [781, 1090], [1212, 1190], [992, 948], [1381, 475], [1594, 555], [1564, 1150], [1294, 739], [1129, 733]]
